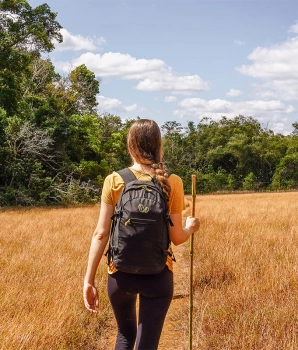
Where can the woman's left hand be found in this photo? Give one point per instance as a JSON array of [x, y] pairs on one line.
[[90, 295]]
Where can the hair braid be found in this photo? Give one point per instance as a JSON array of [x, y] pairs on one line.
[[162, 177]]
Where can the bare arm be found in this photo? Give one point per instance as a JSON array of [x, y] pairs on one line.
[[180, 234], [98, 244]]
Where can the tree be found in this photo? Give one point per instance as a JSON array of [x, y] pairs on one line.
[[27, 153], [172, 144], [250, 182], [295, 129], [84, 88], [286, 174], [24, 33], [24, 28]]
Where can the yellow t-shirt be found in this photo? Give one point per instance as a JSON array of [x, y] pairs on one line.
[[114, 184]]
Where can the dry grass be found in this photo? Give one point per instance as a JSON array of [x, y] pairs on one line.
[[245, 283], [245, 280], [43, 256]]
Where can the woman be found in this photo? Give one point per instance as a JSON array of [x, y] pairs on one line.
[[155, 291]]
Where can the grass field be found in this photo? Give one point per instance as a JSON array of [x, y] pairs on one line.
[[245, 283], [43, 260], [246, 265]]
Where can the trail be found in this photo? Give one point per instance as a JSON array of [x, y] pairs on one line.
[[174, 334]]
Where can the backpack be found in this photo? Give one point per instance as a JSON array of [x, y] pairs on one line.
[[139, 237]]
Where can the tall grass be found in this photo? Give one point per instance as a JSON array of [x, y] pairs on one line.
[[245, 280], [43, 258]]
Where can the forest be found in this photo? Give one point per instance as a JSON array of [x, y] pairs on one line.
[[56, 148]]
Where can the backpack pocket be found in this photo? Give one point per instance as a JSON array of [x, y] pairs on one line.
[[138, 221]]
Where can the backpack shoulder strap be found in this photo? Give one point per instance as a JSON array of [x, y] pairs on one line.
[[127, 175]]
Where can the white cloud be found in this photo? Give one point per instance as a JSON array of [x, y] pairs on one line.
[[153, 74], [111, 105], [234, 93], [77, 42], [170, 99], [167, 81], [131, 108], [239, 42], [218, 107], [275, 62], [294, 28], [115, 64], [285, 90], [276, 66], [272, 111]]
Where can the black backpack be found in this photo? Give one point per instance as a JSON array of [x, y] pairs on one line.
[[139, 238]]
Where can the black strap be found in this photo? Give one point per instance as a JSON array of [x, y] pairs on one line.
[[127, 175]]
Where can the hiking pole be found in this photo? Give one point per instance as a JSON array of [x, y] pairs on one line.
[[193, 195]]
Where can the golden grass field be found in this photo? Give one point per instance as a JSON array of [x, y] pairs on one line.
[[245, 277]]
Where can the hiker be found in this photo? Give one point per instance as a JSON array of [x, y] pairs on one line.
[[155, 290]]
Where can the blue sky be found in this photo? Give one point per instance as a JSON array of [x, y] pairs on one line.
[[184, 60]]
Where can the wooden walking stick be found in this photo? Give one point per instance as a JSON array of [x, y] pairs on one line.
[[193, 195]]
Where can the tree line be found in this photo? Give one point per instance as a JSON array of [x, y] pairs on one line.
[[55, 148]]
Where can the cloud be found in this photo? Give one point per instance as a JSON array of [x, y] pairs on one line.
[[285, 90], [239, 42], [294, 28], [234, 93], [131, 108], [272, 111], [169, 82], [218, 107], [275, 62], [111, 105], [115, 64], [77, 42], [276, 67], [170, 99], [152, 74]]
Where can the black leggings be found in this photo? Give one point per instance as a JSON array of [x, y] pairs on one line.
[[156, 292]]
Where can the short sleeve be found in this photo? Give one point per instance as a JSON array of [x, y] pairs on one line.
[[112, 188], [176, 202]]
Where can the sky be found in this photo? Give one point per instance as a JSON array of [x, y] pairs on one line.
[[182, 60]]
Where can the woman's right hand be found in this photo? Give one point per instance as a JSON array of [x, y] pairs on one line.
[[90, 296], [180, 234], [192, 223]]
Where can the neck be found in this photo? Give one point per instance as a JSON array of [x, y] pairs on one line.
[[142, 167]]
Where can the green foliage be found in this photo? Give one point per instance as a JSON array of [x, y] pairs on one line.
[[24, 27], [295, 129], [231, 154], [250, 182], [25, 32], [84, 88], [286, 175], [55, 148]]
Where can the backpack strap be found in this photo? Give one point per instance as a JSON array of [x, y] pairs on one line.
[[127, 175]]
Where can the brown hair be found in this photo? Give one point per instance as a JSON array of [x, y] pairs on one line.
[[144, 145]]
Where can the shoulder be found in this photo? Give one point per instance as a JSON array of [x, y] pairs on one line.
[[176, 184], [175, 180], [112, 188], [114, 176], [113, 181]]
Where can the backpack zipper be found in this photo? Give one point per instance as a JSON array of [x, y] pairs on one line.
[[133, 221]]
